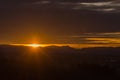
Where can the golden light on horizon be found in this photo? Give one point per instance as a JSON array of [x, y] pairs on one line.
[[34, 45]]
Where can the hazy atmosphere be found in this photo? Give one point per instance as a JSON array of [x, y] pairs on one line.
[[59, 21], [59, 39]]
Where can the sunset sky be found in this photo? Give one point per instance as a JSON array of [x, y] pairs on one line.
[[60, 21]]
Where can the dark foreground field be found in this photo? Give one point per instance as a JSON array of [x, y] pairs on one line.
[[59, 63]]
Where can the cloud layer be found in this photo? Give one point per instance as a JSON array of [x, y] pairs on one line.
[[109, 6], [92, 5], [99, 38]]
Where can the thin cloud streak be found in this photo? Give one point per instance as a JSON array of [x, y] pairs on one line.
[[97, 3], [110, 6], [99, 38], [39, 2]]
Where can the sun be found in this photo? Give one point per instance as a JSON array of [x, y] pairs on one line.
[[34, 45]]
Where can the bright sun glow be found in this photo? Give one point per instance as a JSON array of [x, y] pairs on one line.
[[34, 45]]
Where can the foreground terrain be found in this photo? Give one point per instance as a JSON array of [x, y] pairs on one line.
[[59, 63]]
